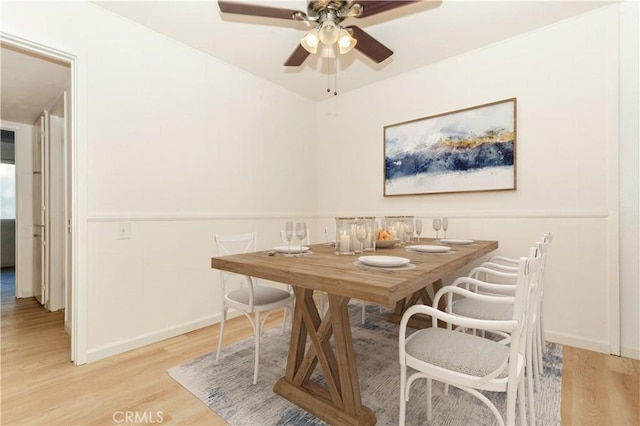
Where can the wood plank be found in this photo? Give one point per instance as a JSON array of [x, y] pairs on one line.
[[599, 389]]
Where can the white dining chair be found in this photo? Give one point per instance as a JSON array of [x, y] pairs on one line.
[[539, 339], [245, 294], [489, 310], [506, 264], [467, 361]]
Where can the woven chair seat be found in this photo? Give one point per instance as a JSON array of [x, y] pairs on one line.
[[262, 295], [460, 352]]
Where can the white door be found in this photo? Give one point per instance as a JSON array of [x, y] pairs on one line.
[[56, 206], [40, 214], [68, 236]]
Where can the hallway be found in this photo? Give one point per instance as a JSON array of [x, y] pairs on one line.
[[7, 283]]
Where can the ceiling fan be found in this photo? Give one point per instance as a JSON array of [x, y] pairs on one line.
[[327, 33]]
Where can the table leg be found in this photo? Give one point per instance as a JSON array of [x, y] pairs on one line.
[[420, 296], [339, 401]]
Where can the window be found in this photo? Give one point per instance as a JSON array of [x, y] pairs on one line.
[[8, 176]]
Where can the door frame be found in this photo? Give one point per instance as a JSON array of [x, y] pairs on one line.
[[78, 186]]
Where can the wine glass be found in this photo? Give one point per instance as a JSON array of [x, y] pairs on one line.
[[437, 225], [408, 229], [445, 226], [288, 233], [301, 233], [418, 228], [362, 233]]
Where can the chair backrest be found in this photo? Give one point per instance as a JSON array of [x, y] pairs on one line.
[[543, 245], [543, 248], [228, 244], [526, 293], [545, 241], [236, 243]]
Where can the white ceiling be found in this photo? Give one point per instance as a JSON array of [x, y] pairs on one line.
[[419, 34], [29, 84]]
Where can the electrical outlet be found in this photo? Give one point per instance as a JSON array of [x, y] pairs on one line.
[[124, 231]]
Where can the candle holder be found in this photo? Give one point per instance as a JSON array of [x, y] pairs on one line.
[[370, 244], [345, 236]]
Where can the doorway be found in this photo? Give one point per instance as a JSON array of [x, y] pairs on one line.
[[73, 226]]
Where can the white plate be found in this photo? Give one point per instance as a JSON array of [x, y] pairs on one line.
[[386, 243], [430, 249], [450, 241], [385, 261], [294, 249]]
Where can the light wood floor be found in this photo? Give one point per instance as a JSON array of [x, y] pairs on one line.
[[41, 387]]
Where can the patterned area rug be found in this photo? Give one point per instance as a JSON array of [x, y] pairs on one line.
[[226, 387]]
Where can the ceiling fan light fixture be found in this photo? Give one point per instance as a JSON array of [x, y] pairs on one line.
[[329, 33], [345, 41], [310, 41]]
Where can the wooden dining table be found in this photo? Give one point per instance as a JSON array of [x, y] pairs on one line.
[[338, 399]]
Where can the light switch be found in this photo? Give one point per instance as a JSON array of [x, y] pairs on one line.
[[124, 231]]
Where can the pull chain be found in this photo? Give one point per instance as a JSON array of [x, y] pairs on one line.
[[335, 80], [328, 69], [328, 82], [335, 76]]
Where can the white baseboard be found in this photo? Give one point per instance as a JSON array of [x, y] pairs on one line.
[[569, 340], [630, 352], [105, 351], [591, 345]]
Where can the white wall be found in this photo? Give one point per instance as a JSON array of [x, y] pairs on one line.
[[179, 145], [565, 78]]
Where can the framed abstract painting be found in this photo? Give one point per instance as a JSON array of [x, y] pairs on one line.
[[472, 149]]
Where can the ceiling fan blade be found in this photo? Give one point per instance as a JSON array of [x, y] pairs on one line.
[[373, 7], [369, 45], [297, 57], [256, 10]]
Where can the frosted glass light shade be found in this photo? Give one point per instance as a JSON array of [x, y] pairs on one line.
[[310, 41], [329, 33], [346, 42]]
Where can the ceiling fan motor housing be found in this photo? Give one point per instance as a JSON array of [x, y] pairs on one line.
[[334, 10]]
